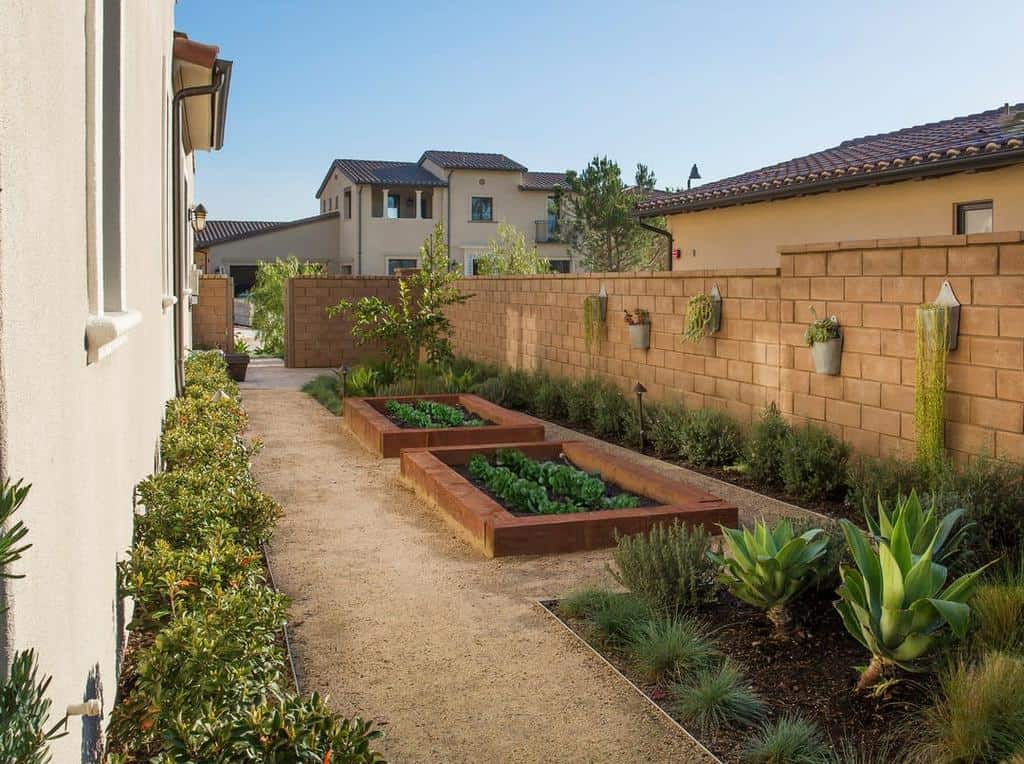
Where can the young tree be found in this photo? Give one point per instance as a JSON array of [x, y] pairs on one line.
[[416, 324], [510, 254], [267, 299], [596, 213]]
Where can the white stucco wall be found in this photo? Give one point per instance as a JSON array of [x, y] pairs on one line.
[[82, 434], [316, 239]]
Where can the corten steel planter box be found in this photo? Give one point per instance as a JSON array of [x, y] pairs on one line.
[[497, 532], [366, 419]]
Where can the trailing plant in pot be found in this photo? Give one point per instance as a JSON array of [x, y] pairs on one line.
[[703, 315], [932, 328], [639, 323], [595, 313], [826, 343], [238, 360]]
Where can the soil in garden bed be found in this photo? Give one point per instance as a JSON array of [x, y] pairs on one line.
[[457, 406], [812, 676], [611, 490]]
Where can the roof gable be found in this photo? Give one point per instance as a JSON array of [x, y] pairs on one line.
[[471, 160], [223, 231], [372, 172]]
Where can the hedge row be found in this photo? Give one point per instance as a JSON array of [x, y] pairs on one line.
[[204, 679]]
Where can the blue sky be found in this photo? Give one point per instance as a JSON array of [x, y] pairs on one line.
[[730, 86]]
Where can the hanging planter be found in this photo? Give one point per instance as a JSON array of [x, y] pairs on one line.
[[933, 332], [826, 343], [639, 323], [703, 315], [595, 314]]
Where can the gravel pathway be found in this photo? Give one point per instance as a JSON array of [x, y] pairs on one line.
[[400, 621]]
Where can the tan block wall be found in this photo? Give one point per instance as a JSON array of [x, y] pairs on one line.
[[312, 339], [213, 322]]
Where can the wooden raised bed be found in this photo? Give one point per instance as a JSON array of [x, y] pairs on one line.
[[366, 419], [497, 532]]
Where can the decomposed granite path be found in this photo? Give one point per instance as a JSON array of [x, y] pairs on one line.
[[400, 621]]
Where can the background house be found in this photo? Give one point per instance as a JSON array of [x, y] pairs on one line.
[[958, 176], [95, 306]]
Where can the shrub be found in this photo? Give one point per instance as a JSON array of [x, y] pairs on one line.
[[813, 463], [326, 390], [978, 716], [267, 298], [668, 568], [583, 603], [716, 697], [710, 438], [870, 480], [998, 609], [207, 373], [993, 494], [548, 399], [617, 618], [611, 412], [666, 424], [765, 447], [789, 740], [579, 400], [511, 389], [671, 648]]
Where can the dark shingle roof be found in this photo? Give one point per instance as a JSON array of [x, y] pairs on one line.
[[991, 137], [380, 173], [470, 160], [222, 231], [541, 181]]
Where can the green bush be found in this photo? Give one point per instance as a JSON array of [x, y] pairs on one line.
[[616, 619], [612, 415], [207, 374], [710, 438], [992, 492], [765, 447], [671, 648], [870, 479], [326, 390], [267, 299], [998, 610], [579, 400], [813, 463], [666, 425], [583, 603], [668, 568], [717, 697], [548, 398], [789, 740]]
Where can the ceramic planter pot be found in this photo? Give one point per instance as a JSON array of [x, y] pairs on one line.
[[237, 363], [828, 356], [640, 336]]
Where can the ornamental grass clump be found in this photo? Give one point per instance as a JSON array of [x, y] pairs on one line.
[[671, 648], [769, 567], [998, 613], [716, 697], [668, 567], [617, 618], [788, 740], [710, 438]]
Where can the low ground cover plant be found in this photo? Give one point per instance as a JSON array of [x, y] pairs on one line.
[[431, 414]]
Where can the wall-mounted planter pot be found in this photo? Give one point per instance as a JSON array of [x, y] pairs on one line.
[[716, 309], [948, 300], [640, 336], [602, 301], [238, 364], [828, 356]]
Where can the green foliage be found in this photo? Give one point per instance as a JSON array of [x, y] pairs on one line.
[[325, 389], [267, 299], [616, 619], [207, 375], [417, 323], [978, 716], [548, 399], [932, 333], [993, 494], [671, 648], [509, 254], [240, 346], [821, 329], [788, 740], [765, 447], [597, 221], [870, 480], [668, 568], [579, 400], [594, 324], [612, 414], [768, 567], [431, 414], [698, 317], [666, 427], [998, 613], [717, 697], [814, 463], [922, 528], [710, 438], [12, 496], [511, 388], [895, 602], [583, 603], [24, 709]]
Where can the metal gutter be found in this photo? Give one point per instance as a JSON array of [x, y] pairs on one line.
[[668, 237]]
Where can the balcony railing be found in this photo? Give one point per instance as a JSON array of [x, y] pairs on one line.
[[546, 231]]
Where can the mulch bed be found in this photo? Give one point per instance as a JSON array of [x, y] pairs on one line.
[[812, 676]]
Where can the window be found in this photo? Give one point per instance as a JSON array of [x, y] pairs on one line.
[[559, 266], [552, 218], [323, 205], [974, 217], [395, 263], [394, 203], [348, 203], [335, 202], [482, 208]]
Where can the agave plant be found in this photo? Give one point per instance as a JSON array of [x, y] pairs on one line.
[[769, 567], [921, 528], [895, 602]]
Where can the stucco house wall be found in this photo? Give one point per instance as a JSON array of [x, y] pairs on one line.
[[748, 235], [316, 239]]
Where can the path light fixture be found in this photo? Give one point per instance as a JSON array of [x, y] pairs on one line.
[[694, 175], [198, 217], [342, 372], [639, 389]]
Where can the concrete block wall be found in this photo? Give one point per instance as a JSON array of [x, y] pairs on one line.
[[213, 322]]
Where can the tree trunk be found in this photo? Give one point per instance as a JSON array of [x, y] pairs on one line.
[[871, 674], [782, 621]]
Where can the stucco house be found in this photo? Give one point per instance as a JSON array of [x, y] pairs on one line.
[[95, 308], [374, 215], [959, 176]]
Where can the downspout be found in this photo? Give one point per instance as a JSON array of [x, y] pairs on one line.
[[177, 248], [668, 239], [359, 246], [448, 224]]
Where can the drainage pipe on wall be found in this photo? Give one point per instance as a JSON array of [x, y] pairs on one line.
[[668, 239], [177, 248], [359, 228]]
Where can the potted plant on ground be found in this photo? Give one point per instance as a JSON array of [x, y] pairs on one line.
[[639, 323], [826, 343], [238, 361]]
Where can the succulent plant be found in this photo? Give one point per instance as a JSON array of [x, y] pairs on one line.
[[769, 566], [895, 602], [921, 528]]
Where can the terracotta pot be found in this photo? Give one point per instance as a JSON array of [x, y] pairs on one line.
[[828, 356], [640, 336], [237, 363]]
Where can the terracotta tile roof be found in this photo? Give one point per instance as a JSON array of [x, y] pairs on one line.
[[222, 231], [470, 160], [989, 138], [541, 181]]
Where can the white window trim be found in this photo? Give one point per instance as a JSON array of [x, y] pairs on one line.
[[469, 256]]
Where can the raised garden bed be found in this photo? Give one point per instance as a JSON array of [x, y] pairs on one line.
[[370, 422], [439, 475]]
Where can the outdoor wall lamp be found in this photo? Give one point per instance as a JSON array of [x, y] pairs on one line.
[[198, 217], [639, 389], [694, 175]]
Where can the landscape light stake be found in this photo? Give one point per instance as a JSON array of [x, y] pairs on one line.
[[639, 389], [342, 371]]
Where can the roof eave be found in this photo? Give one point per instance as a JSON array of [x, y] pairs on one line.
[[893, 175]]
